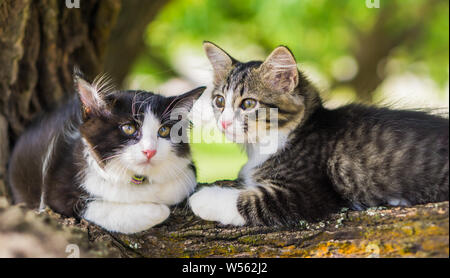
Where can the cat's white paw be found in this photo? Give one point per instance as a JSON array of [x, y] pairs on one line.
[[126, 218], [217, 204]]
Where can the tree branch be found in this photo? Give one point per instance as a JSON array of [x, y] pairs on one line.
[[419, 231]]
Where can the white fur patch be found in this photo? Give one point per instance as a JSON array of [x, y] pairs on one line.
[[217, 204], [45, 165], [125, 218], [256, 157], [398, 202], [42, 202], [235, 131], [133, 155]]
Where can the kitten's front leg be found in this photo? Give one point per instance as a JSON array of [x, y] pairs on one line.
[[217, 204], [125, 218]]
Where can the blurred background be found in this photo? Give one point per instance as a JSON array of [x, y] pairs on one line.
[[383, 52], [396, 54]]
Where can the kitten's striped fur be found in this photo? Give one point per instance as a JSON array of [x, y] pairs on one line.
[[354, 156]]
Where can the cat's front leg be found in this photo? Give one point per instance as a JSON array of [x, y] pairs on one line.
[[217, 204], [125, 218]]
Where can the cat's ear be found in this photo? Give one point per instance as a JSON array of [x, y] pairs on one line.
[[91, 98], [187, 100], [221, 62], [279, 71]]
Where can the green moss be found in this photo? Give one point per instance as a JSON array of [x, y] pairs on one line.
[[252, 240]]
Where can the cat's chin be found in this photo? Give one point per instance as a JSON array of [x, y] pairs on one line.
[[240, 139], [142, 168], [145, 164], [235, 138]]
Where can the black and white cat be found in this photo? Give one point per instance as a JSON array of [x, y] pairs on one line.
[[115, 158]]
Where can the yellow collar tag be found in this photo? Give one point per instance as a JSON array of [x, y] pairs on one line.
[[138, 179]]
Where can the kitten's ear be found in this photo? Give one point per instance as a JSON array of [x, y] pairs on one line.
[[90, 97], [279, 71], [188, 99], [221, 62]]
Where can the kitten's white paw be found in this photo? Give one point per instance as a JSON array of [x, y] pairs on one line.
[[126, 218], [217, 204]]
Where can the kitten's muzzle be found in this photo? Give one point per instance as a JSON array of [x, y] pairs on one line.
[[225, 124], [149, 154]]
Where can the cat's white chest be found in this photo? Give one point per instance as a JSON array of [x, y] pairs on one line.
[[255, 159], [168, 192], [118, 205], [257, 155], [113, 184]]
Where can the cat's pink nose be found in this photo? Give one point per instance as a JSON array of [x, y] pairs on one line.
[[149, 153], [225, 124]]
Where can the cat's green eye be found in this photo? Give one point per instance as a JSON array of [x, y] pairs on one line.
[[248, 103], [128, 129], [219, 101], [164, 131]]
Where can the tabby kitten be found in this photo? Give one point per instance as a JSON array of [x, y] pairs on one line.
[[354, 156], [107, 156]]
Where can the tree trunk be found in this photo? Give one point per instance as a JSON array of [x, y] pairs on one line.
[[374, 46], [127, 40], [40, 42]]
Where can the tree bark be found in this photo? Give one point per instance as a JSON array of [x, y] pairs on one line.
[[26, 233], [40, 42], [419, 231]]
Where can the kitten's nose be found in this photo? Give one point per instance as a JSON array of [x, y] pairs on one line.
[[226, 124], [149, 153]]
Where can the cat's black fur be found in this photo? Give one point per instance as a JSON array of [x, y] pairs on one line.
[[26, 164]]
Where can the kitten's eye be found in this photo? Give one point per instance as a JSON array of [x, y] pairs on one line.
[[164, 131], [248, 103], [219, 101], [128, 129]]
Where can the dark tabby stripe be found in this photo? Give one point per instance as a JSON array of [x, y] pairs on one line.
[[280, 111]]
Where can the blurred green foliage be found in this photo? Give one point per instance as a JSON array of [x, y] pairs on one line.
[[318, 32], [217, 161]]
